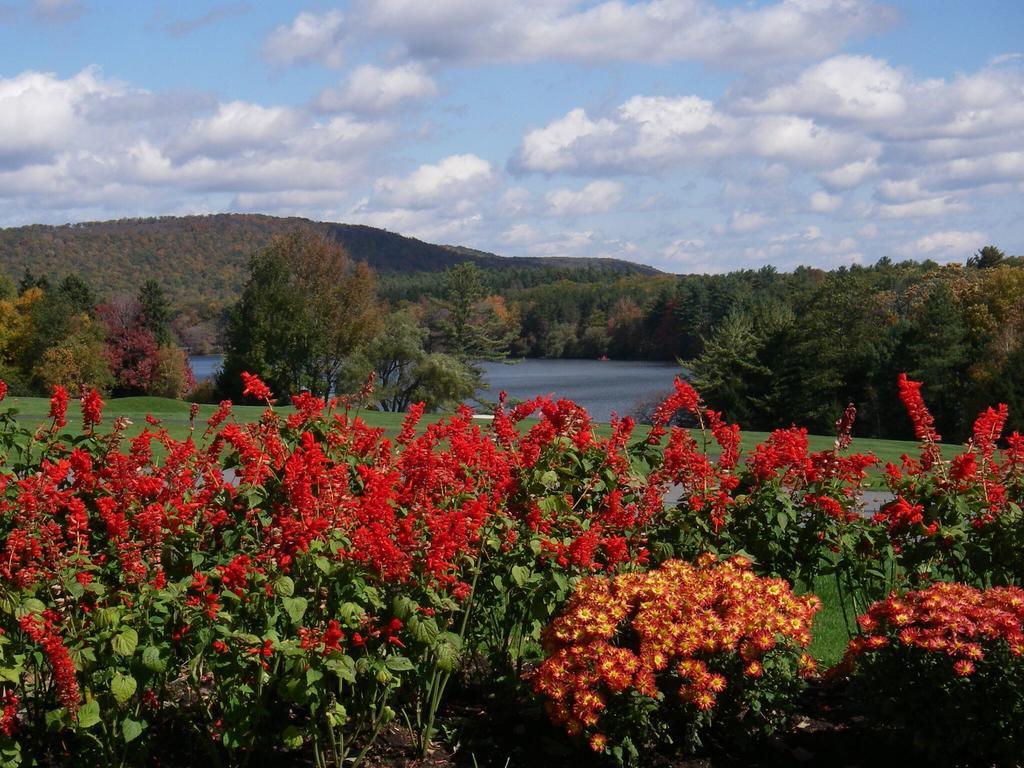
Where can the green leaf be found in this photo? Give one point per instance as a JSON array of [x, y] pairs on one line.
[[284, 586], [520, 574], [423, 630], [123, 687], [295, 607], [448, 651], [783, 519], [151, 659], [403, 607], [89, 714], [29, 605], [57, 719], [107, 617], [292, 737], [351, 614], [343, 666], [131, 729], [549, 479], [398, 664], [125, 642]]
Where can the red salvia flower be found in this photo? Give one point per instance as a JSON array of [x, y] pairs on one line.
[[92, 409], [59, 406], [253, 386], [921, 418]]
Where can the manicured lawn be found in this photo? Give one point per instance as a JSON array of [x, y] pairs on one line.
[[174, 415], [830, 635]]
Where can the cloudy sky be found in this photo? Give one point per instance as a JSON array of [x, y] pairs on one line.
[[693, 135]]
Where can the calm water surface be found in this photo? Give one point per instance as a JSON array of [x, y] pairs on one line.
[[599, 386], [205, 367]]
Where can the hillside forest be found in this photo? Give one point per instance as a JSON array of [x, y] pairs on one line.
[[298, 304]]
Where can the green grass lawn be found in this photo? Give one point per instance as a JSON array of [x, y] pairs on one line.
[[174, 415], [830, 636]]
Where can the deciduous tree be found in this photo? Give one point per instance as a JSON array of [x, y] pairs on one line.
[[305, 308]]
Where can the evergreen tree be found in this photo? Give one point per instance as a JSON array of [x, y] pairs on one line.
[[986, 258], [29, 280], [77, 294], [156, 311], [466, 327], [935, 351]]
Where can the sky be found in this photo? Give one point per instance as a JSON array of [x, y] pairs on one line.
[[690, 135]]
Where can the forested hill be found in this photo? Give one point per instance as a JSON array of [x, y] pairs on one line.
[[205, 258]]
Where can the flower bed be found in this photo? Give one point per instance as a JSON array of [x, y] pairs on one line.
[[943, 668], [675, 655], [333, 582]]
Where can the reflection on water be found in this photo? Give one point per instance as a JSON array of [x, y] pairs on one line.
[[599, 386]]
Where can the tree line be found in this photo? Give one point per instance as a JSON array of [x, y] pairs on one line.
[[768, 348], [773, 349], [60, 334]]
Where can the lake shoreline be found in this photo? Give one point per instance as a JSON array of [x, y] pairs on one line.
[[603, 387]]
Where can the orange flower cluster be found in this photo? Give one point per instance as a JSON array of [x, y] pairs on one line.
[[639, 630], [948, 618]]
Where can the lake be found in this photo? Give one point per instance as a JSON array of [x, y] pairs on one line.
[[599, 386]]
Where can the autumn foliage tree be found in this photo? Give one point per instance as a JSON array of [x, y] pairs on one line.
[[305, 309], [139, 363]]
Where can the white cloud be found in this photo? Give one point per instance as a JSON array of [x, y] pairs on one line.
[[455, 176], [931, 206], [521, 234], [694, 255], [515, 202], [823, 202], [427, 224], [40, 113], [655, 30], [747, 221], [372, 90], [899, 191], [802, 143], [86, 145], [597, 197], [851, 174], [183, 26], [310, 38], [648, 134], [552, 147], [948, 245], [238, 127], [859, 88]]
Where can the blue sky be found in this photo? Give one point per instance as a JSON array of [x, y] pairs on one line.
[[687, 134]]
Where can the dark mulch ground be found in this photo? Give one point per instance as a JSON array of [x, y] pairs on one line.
[[497, 731]]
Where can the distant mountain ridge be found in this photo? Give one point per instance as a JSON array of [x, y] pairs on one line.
[[206, 257]]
